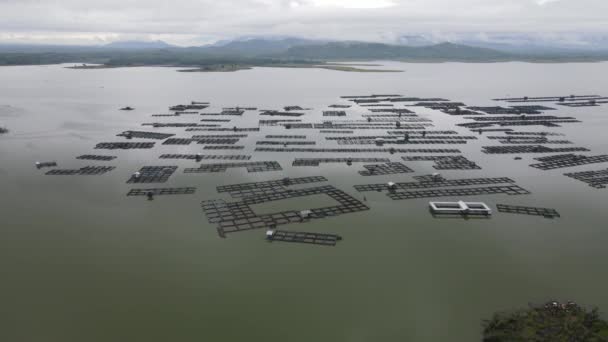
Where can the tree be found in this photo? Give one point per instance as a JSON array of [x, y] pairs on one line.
[[553, 321]]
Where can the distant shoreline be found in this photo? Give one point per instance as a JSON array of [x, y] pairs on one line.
[[344, 65], [238, 67]]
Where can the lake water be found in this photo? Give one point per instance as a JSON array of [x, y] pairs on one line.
[[81, 261]]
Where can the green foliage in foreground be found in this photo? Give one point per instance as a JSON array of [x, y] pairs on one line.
[[552, 322]]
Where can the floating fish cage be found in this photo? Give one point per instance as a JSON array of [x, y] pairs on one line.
[[303, 237], [460, 208]]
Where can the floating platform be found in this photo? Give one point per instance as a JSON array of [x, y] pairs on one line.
[[318, 161], [510, 190], [548, 98], [182, 108], [436, 177], [368, 96], [483, 130], [238, 216], [417, 99], [439, 105], [363, 125], [514, 137], [176, 114], [336, 131], [286, 143], [144, 135], [545, 118], [410, 135], [596, 179], [261, 166], [513, 110], [556, 157], [516, 209], [456, 111], [303, 237], [570, 161], [178, 141], [545, 123], [400, 141], [233, 129], [590, 103], [95, 157], [538, 140], [535, 133], [188, 141], [205, 156], [171, 124], [334, 113], [124, 145], [385, 169], [396, 121], [276, 122], [290, 108], [152, 174], [278, 113], [241, 108], [40, 165], [532, 108], [529, 149], [392, 116], [398, 111], [425, 132], [446, 162], [218, 141], [253, 189], [84, 171], [217, 136], [223, 147], [285, 137], [161, 191], [356, 150], [460, 208], [233, 112], [427, 182]]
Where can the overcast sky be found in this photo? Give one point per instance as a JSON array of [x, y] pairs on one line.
[[196, 22]]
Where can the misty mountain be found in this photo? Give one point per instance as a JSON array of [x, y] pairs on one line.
[[260, 51], [138, 45], [366, 51], [255, 47], [519, 43]]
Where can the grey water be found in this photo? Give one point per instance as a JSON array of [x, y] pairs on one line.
[[80, 261]]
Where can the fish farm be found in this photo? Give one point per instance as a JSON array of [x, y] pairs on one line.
[[317, 138]]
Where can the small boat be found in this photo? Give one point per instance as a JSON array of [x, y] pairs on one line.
[[127, 108]]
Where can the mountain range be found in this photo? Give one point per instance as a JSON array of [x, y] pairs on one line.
[[263, 50]]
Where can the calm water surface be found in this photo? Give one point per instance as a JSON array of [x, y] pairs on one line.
[[82, 262]]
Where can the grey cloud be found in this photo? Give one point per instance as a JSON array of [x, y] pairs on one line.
[[189, 22]]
